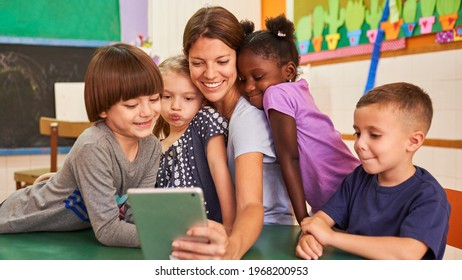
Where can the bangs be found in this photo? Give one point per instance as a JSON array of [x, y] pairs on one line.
[[132, 78], [119, 73]]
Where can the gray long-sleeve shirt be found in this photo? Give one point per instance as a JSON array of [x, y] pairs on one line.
[[82, 193]]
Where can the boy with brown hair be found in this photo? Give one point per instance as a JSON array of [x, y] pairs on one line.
[[387, 208]]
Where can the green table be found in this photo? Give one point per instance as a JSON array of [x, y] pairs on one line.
[[276, 242]]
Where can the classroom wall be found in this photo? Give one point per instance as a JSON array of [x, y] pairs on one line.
[[166, 28], [337, 87], [272, 8], [133, 20]]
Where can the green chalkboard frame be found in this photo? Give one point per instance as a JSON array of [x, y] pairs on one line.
[[61, 19]]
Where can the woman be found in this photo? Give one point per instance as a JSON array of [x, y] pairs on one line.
[[211, 39]]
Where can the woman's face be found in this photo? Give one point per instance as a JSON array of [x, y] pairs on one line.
[[213, 68]]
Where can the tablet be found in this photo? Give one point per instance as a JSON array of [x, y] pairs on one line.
[[162, 215]]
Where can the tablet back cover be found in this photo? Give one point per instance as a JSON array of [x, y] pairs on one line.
[[164, 214]]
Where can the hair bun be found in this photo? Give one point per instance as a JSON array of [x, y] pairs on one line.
[[247, 26], [281, 27]]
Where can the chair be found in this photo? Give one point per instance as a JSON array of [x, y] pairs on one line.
[[55, 129], [455, 220]]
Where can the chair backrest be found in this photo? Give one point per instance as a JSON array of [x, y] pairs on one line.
[[59, 128], [455, 220]]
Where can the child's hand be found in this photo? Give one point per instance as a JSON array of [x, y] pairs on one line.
[[308, 248], [319, 228]]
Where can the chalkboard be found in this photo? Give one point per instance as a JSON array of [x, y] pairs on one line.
[[27, 77]]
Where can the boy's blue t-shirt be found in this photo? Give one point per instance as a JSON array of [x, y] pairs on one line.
[[417, 208]]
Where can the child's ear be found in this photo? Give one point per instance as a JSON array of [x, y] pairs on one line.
[[290, 71], [103, 115], [416, 140]]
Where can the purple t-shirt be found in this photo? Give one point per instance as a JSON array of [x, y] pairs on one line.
[[325, 160]]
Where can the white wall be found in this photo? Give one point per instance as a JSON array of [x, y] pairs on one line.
[[168, 19], [336, 89]]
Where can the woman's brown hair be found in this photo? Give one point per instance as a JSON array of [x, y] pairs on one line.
[[215, 23]]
